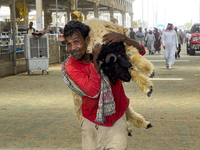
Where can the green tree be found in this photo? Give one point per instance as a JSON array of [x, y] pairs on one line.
[[188, 25], [139, 23]]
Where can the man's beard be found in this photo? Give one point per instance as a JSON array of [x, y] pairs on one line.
[[76, 54]]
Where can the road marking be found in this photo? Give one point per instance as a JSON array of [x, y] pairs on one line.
[[167, 79], [165, 60], [169, 120]]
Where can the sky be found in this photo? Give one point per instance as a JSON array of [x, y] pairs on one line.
[[177, 12]]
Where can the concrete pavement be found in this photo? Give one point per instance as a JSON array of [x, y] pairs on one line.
[[37, 112]]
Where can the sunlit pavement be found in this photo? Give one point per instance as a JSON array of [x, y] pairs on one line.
[[37, 111]]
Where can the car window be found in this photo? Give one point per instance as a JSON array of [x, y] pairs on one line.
[[196, 29]]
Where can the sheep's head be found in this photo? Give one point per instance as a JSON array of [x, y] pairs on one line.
[[114, 62]]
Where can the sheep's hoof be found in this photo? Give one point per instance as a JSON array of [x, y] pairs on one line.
[[150, 91], [149, 126], [129, 134], [153, 74]]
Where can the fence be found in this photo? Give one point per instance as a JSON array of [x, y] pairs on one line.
[[6, 58]]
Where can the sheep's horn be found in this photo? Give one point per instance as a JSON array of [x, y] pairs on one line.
[[109, 56]]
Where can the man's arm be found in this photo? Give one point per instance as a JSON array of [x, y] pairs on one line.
[[118, 37], [95, 52], [139, 35], [163, 38]]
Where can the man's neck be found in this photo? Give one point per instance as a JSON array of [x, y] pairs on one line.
[[86, 58]]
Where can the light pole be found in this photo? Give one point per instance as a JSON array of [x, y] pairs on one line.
[[148, 13], [153, 14], [165, 17], [142, 13], [14, 40], [199, 10]]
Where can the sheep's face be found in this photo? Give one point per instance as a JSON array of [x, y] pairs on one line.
[[114, 62], [77, 45]]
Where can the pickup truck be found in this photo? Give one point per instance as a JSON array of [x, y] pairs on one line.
[[193, 40]]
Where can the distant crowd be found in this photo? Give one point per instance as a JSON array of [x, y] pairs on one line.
[[152, 39]]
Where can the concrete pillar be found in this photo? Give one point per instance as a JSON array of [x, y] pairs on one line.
[[60, 19], [131, 16], [111, 12], [46, 16], [95, 7], [74, 4], [68, 14], [65, 18], [123, 18], [39, 14], [54, 19], [85, 13]]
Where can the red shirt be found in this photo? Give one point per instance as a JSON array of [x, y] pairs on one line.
[[88, 80], [144, 51]]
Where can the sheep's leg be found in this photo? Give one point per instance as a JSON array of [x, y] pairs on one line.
[[142, 81], [136, 119], [142, 64], [77, 105]]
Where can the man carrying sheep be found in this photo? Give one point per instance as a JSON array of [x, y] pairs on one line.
[[104, 123]]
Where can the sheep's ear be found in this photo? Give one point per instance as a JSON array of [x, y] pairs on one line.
[[123, 62], [87, 40]]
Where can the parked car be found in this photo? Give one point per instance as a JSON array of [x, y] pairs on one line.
[[193, 39]]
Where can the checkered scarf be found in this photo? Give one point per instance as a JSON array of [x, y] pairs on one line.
[[106, 105]]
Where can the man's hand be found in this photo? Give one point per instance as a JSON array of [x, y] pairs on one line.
[[113, 37], [164, 46], [177, 48], [95, 52], [118, 37]]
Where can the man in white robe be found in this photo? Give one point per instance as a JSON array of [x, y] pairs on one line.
[[170, 44], [150, 39]]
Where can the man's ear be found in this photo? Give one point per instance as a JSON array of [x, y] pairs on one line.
[[87, 40]]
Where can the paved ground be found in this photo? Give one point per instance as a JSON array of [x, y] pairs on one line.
[[37, 112]]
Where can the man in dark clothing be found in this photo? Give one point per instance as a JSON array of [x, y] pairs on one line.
[[145, 34], [180, 41], [157, 43], [30, 29], [132, 34]]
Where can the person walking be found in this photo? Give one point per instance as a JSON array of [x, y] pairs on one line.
[[84, 72], [132, 34], [157, 43], [180, 41], [140, 36], [150, 39], [145, 34], [170, 44]]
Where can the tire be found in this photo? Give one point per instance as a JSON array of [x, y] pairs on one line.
[[188, 49], [192, 52]]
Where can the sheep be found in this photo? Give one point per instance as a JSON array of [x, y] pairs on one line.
[[139, 69], [114, 62]]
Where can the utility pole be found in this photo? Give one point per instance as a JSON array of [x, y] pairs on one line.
[[148, 12], [142, 13], [199, 10], [165, 17], [156, 15], [153, 14], [14, 39], [57, 31], [56, 16]]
